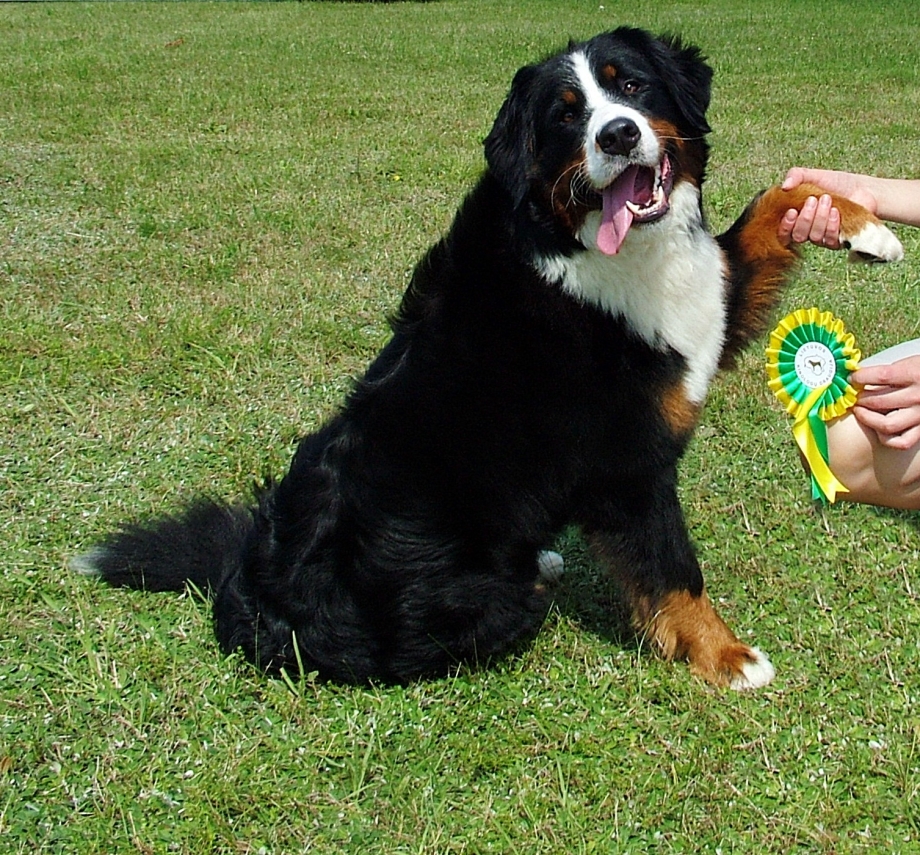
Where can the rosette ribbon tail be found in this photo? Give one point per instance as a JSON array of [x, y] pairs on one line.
[[810, 434]]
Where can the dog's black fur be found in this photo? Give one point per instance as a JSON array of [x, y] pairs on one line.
[[405, 537]]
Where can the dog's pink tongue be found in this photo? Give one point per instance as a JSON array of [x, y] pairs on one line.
[[616, 218]]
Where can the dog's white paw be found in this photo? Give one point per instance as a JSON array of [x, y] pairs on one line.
[[873, 243], [754, 674], [551, 566]]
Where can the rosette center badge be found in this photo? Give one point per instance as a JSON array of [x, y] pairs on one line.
[[815, 365]]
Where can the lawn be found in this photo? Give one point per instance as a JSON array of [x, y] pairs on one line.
[[206, 213]]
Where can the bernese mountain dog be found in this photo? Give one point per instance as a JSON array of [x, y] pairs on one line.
[[547, 367]]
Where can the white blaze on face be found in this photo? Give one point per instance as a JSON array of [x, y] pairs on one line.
[[617, 177], [603, 168]]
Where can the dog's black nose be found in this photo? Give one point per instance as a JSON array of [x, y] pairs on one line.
[[619, 136]]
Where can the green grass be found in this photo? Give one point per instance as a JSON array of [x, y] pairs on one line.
[[206, 212]]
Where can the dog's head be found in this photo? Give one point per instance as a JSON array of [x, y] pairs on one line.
[[610, 125]]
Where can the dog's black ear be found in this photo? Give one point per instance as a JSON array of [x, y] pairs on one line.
[[688, 78], [509, 146]]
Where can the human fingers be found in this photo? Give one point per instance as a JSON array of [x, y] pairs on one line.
[[832, 233], [896, 429], [822, 231], [786, 225], [883, 399], [910, 438], [903, 441], [805, 220], [818, 222], [904, 372], [894, 386], [795, 176], [826, 179]]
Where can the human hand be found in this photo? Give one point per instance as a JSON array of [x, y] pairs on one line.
[[819, 221], [853, 186], [889, 402]]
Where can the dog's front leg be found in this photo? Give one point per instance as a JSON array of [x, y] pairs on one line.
[[645, 545], [758, 264]]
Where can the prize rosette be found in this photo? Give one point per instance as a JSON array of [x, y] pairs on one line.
[[809, 359]]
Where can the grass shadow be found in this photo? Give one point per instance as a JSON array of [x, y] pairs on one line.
[[588, 597]]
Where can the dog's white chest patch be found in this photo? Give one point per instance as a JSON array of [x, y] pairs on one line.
[[667, 283]]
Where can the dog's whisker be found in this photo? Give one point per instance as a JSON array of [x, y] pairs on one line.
[[573, 185]]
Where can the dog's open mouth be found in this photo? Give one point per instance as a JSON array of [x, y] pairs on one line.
[[639, 194]]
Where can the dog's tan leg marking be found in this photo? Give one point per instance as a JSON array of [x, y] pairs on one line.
[[679, 412], [684, 626]]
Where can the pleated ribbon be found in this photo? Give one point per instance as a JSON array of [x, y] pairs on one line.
[[809, 359]]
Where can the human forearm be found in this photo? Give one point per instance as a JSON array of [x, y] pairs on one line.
[[898, 199]]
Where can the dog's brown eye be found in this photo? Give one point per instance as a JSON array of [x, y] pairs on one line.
[[567, 107], [565, 113], [630, 87]]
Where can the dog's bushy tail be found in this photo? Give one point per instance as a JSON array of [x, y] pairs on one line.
[[199, 545]]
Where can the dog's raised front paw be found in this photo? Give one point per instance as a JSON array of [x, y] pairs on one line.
[[872, 244]]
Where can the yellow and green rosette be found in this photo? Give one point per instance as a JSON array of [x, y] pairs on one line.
[[809, 360]]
